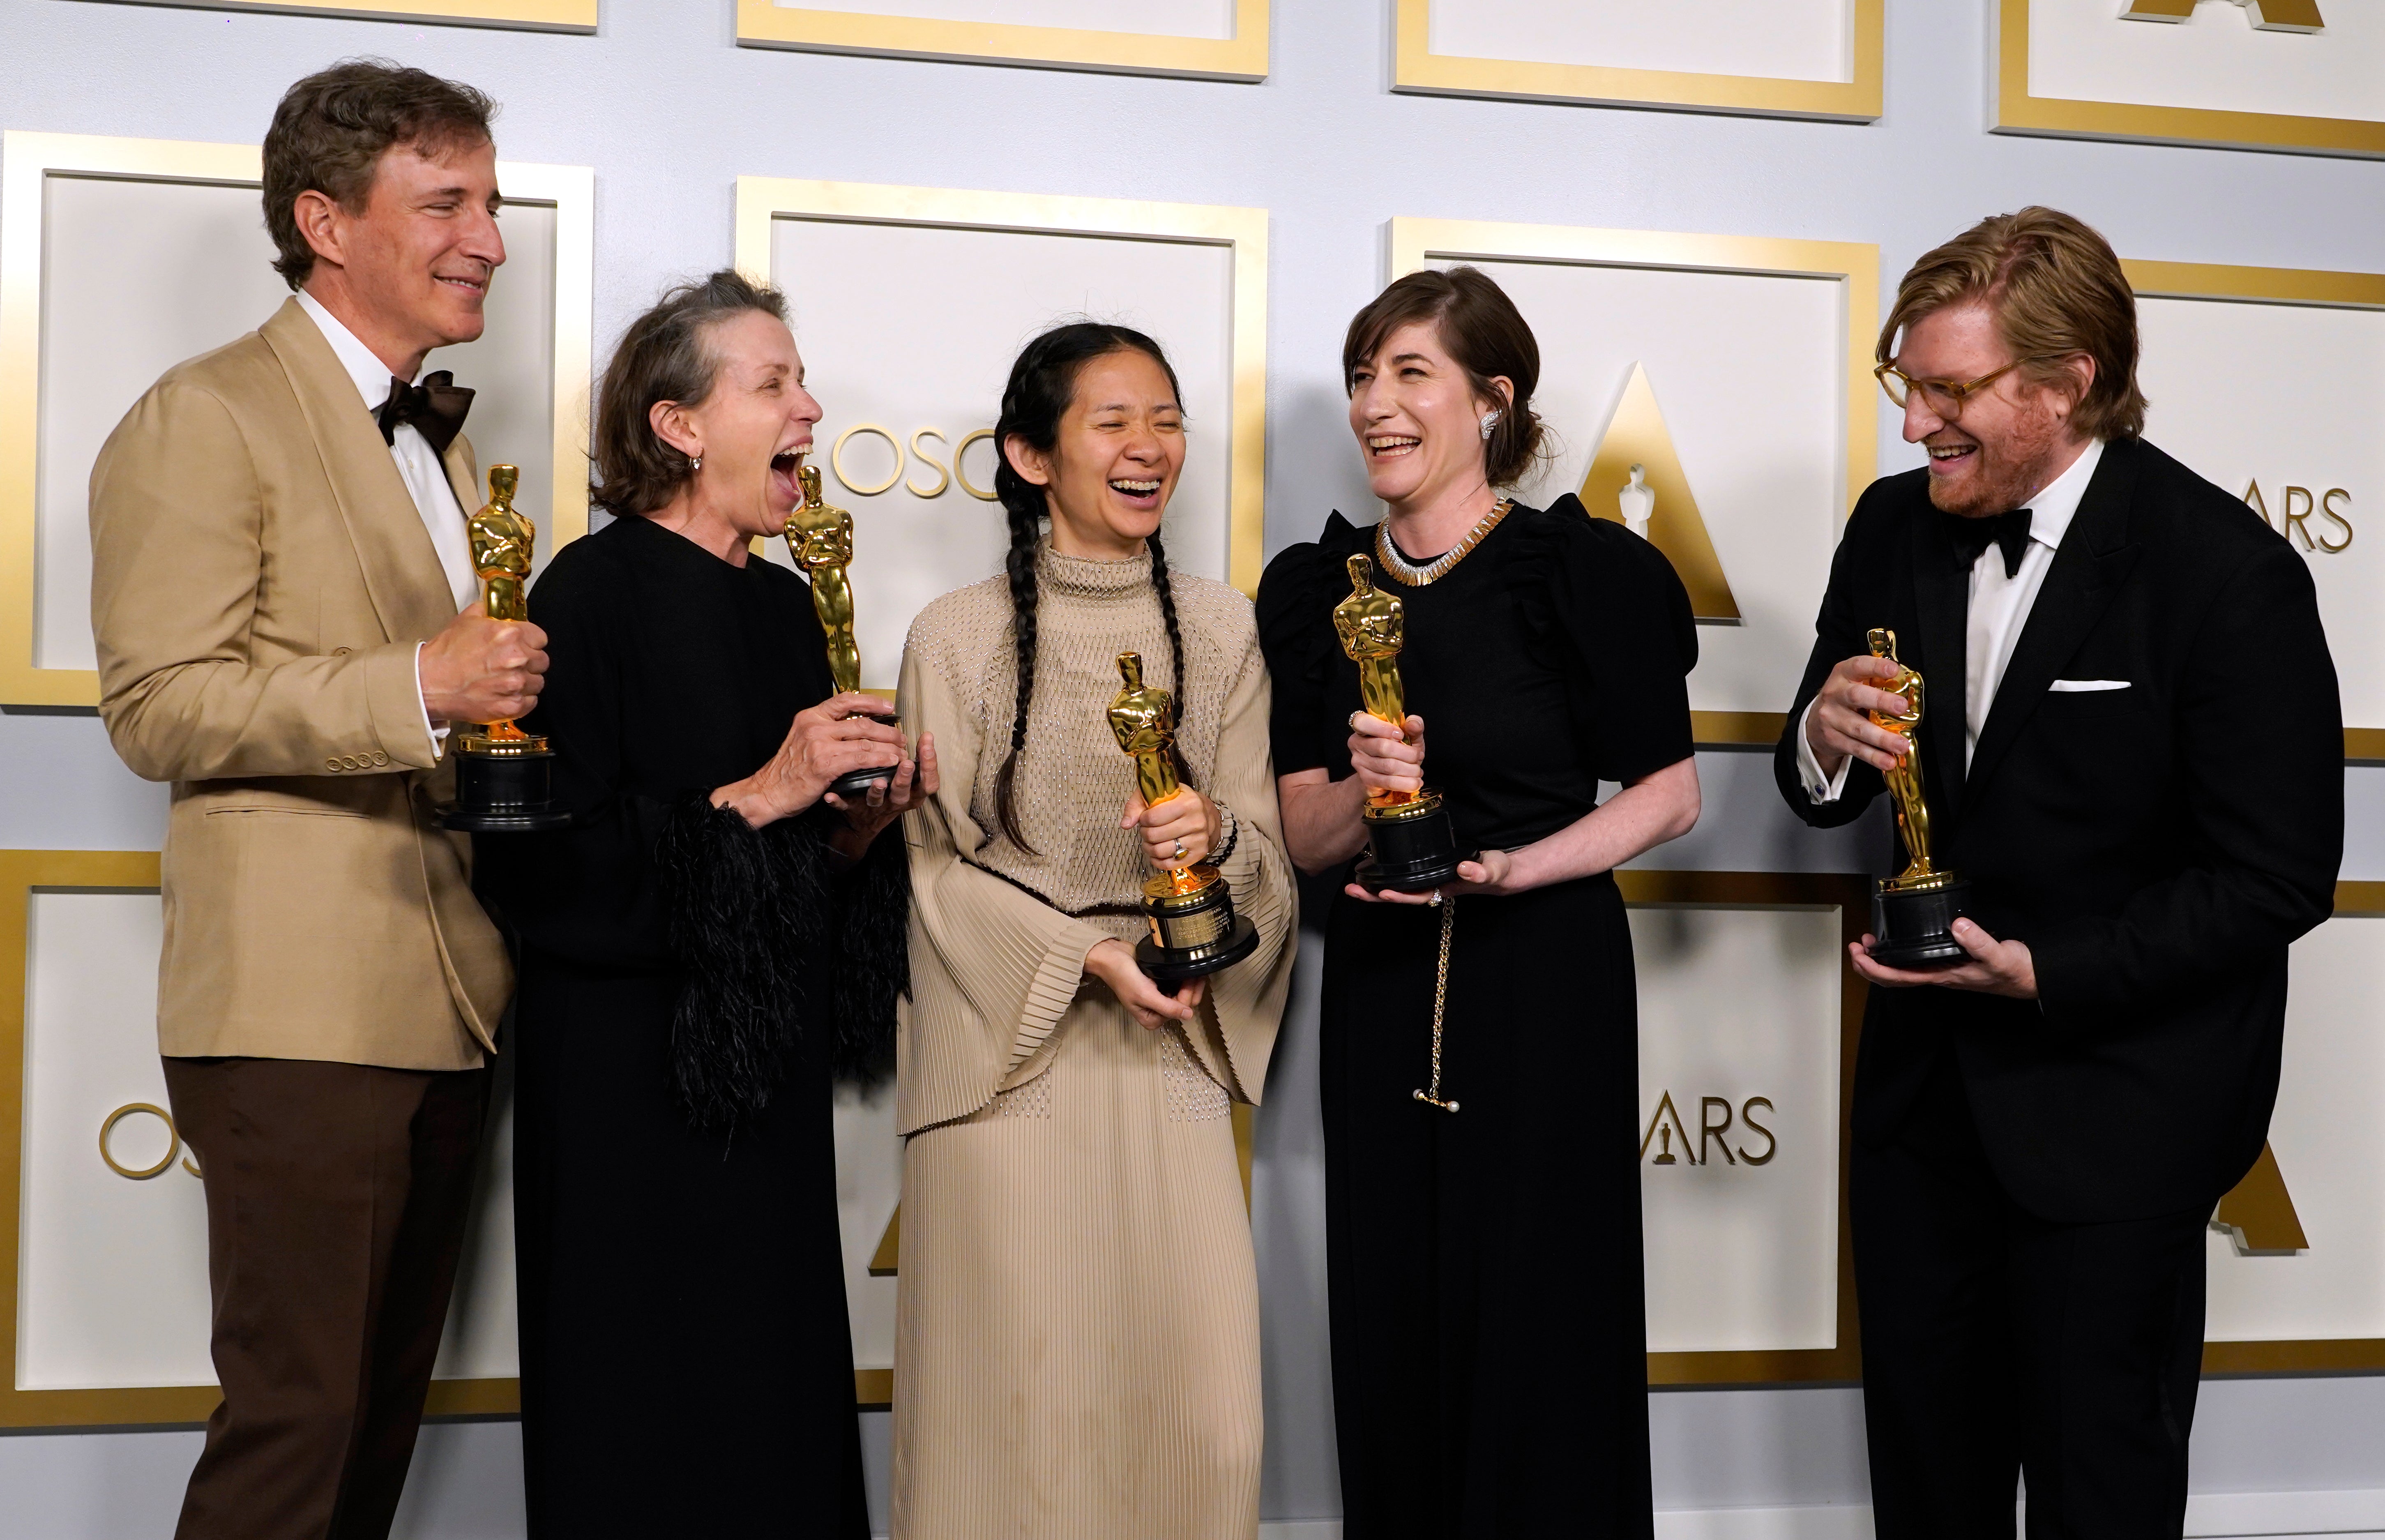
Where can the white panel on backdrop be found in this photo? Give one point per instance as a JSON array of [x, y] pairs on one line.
[[1740, 1057], [1805, 40], [2330, 1149], [113, 1271], [1764, 461], [2086, 50], [2288, 398], [1161, 18], [139, 275], [868, 1184], [912, 327]]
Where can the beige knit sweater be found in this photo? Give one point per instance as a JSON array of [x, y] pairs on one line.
[[1000, 932]]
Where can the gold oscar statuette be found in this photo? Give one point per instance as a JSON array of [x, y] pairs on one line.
[[1412, 846], [504, 776], [1190, 907], [1914, 911], [819, 539]]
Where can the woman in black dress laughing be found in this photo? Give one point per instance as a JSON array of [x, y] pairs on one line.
[[1489, 1343], [714, 941]]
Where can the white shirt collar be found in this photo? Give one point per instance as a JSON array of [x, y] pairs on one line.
[[2052, 509], [371, 376]]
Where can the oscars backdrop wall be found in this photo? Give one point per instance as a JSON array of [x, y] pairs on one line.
[[1791, 58], [1202, 38], [1748, 1023], [104, 1309], [537, 16], [2306, 75], [120, 258], [2299, 1283]]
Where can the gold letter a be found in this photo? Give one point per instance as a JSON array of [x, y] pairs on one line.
[[1636, 440]]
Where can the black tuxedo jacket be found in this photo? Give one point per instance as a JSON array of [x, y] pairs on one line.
[[2158, 847]]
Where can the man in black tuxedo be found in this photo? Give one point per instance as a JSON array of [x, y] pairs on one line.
[[2133, 750]]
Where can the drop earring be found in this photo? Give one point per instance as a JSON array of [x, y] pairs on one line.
[[695, 462], [1490, 420]]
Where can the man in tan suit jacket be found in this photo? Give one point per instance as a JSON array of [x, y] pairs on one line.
[[277, 570]]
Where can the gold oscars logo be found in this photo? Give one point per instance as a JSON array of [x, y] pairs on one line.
[[955, 473], [2334, 505], [1636, 479], [1697, 1149], [173, 1141], [2268, 16]]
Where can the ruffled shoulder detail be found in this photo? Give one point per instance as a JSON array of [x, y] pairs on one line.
[[1574, 575]]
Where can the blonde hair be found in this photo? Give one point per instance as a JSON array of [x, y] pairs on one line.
[[2056, 292]]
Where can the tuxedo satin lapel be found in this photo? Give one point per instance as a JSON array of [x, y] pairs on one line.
[[1941, 598], [401, 567], [2095, 558]]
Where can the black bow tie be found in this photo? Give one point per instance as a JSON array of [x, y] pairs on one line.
[[2008, 531], [436, 407]]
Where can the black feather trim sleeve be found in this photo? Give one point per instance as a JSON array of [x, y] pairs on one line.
[[870, 962], [776, 943]]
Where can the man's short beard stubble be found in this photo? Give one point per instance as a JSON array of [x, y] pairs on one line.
[[2009, 473]]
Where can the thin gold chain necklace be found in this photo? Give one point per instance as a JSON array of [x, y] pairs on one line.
[[1415, 574]]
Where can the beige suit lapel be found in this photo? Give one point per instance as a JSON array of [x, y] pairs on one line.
[[401, 567]]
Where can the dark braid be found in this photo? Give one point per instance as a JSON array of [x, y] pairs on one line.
[[1026, 527], [1167, 592], [1043, 382]]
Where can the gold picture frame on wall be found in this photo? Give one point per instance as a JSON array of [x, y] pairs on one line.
[[31, 160], [22, 872], [1858, 100], [535, 16], [2018, 109], [2302, 1356], [1842, 1363], [2299, 286], [1243, 56], [762, 201], [1415, 242]]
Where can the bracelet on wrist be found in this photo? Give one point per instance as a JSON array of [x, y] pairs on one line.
[[1233, 834]]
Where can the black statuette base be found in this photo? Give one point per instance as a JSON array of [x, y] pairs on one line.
[[1408, 855], [1916, 929], [504, 794], [1171, 966], [853, 786]]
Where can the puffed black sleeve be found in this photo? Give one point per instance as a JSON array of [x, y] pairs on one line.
[[1614, 602], [1295, 616]]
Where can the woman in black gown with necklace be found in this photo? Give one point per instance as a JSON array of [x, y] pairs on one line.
[[1489, 1369], [711, 944]]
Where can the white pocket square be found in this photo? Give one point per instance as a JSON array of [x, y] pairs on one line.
[[2081, 686]]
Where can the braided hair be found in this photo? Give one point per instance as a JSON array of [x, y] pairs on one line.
[[1043, 383]]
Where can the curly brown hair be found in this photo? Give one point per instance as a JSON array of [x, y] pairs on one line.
[[332, 128]]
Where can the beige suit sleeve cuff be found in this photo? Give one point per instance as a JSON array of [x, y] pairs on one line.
[[394, 700]]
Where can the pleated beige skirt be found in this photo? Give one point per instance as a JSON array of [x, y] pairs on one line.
[[1077, 1352]]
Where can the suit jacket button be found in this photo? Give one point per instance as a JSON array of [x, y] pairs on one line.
[[380, 759], [331, 765], [341, 652]]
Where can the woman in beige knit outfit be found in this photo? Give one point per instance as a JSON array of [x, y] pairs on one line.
[[1077, 1353]]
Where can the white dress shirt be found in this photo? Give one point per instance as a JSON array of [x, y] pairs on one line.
[[1998, 610], [417, 466]]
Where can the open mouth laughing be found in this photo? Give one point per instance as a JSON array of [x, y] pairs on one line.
[[1137, 492], [1391, 446]]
